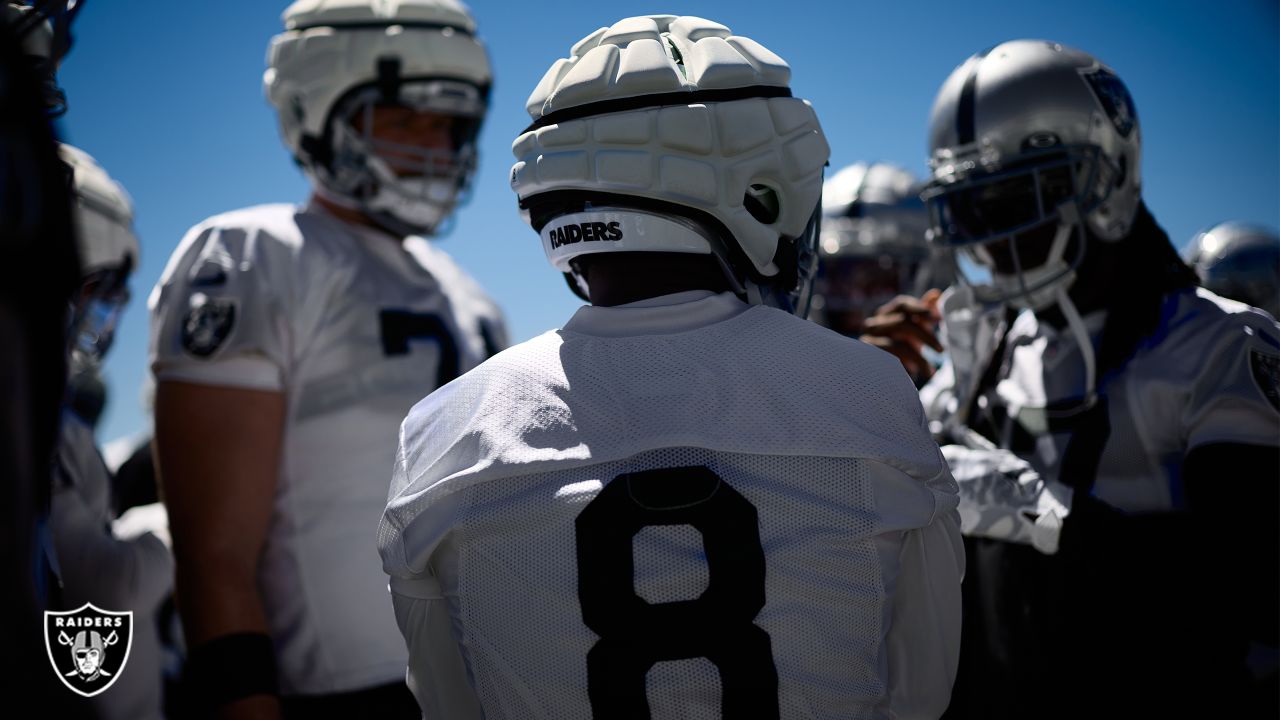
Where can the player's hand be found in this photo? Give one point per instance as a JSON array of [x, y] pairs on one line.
[[903, 326]]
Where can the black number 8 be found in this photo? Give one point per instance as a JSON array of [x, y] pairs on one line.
[[718, 625]]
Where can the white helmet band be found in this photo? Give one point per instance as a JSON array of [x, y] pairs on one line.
[[611, 229]]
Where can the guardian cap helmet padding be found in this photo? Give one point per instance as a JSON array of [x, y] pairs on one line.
[[337, 60], [687, 138]]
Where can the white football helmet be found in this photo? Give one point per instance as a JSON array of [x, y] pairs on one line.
[[672, 134], [339, 59], [108, 249], [1239, 261], [872, 245], [1031, 143]]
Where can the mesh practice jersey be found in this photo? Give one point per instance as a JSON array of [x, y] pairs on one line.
[[353, 326], [745, 501], [1207, 375]]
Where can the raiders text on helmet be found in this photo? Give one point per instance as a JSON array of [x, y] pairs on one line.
[[340, 58], [674, 127]]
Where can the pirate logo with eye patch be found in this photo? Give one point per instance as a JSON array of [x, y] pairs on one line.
[[88, 647]]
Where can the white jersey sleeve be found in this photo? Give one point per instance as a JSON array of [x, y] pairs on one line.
[[1235, 396], [923, 643], [226, 310]]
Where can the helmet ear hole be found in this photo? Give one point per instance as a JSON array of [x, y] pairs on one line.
[[1123, 170], [762, 202]]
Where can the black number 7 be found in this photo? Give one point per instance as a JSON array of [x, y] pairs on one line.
[[398, 327], [719, 625]]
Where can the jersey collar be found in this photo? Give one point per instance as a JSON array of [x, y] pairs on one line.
[[663, 315]]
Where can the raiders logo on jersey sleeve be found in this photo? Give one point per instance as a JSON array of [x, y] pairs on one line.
[[207, 325]]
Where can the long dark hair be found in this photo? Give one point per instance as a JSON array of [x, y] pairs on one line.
[[1133, 310]]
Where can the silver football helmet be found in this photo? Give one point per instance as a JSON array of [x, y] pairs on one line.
[[1032, 143], [1239, 261], [872, 247]]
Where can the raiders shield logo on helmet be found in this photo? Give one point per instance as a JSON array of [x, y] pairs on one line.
[[88, 647], [207, 324], [1115, 99]]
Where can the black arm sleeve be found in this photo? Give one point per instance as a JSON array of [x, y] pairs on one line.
[[1233, 492]]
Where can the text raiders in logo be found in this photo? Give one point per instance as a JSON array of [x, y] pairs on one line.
[[88, 647], [584, 232]]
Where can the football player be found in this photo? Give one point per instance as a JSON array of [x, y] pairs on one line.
[[1239, 261], [288, 343], [1148, 408], [873, 250], [40, 280], [133, 572], [687, 501]]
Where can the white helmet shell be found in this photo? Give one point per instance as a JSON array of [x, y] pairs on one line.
[[1025, 96], [103, 216], [681, 111], [331, 46]]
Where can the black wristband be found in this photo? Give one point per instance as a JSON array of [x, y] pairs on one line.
[[230, 668]]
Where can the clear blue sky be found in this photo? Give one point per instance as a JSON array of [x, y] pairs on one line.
[[167, 95]]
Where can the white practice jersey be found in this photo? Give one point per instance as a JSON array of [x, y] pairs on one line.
[[1207, 375], [115, 573], [353, 326], [746, 501]]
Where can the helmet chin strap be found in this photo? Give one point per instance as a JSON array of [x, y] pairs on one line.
[[1081, 334], [1044, 287], [1036, 419]]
